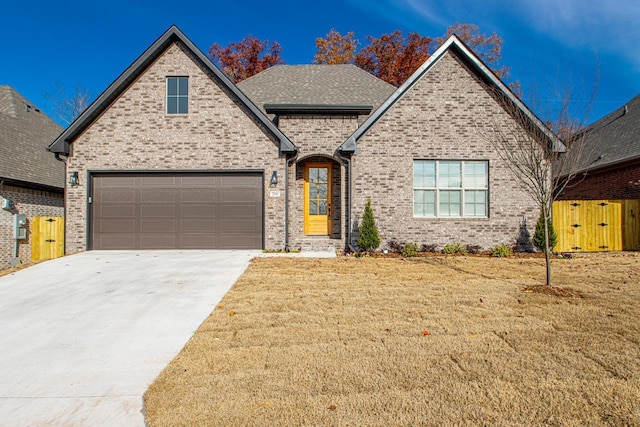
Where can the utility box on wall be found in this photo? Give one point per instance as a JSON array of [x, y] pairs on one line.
[[20, 226]]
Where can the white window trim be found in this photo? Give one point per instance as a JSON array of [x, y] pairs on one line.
[[462, 190], [166, 96]]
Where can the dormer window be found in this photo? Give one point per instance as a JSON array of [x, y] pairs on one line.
[[177, 95]]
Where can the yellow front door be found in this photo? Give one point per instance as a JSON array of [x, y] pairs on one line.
[[317, 199]]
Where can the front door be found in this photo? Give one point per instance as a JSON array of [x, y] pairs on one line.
[[317, 199]]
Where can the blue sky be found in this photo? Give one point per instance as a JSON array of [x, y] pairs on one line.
[[548, 44]]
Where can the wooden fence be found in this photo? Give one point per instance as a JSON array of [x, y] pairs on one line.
[[47, 237], [597, 225]]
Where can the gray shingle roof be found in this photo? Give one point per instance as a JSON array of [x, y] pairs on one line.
[[316, 85], [25, 132], [614, 138]]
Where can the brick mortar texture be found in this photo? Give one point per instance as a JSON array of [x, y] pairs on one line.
[[439, 119], [31, 203], [134, 133]]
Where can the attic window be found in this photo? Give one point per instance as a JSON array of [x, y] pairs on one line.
[[177, 95]]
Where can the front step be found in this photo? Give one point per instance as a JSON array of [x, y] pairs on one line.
[[318, 244]]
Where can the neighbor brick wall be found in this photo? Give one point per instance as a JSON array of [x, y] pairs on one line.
[[443, 117], [31, 203], [134, 133], [621, 182]]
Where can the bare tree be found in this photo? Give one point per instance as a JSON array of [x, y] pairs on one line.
[[543, 156], [67, 105]]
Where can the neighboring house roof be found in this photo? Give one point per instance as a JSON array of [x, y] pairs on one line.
[[25, 132], [613, 139], [322, 86], [453, 43], [172, 35]]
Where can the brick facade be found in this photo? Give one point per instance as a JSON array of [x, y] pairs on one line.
[[438, 119], [135, 134], [620, 182], [31, 203]]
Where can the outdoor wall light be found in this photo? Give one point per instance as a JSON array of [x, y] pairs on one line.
[[73, 179], [274, 178]]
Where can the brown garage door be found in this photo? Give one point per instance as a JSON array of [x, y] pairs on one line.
[[176, 211]]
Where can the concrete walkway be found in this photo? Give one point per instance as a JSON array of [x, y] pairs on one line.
[[82, 337]]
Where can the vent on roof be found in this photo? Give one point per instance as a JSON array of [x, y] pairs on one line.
[[626, 110], [27, 107]]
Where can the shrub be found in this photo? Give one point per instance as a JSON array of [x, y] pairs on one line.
[[409, 250], [454, 248], [501, 251], [369, 238], [395, 246], [473, 249], [538, 235], [428, 248]]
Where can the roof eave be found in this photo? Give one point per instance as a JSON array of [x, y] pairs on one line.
[[329, 109], [62, 144]]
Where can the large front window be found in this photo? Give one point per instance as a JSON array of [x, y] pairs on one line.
[[446, 188]]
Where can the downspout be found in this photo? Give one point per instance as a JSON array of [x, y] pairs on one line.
[[64, 203], [286, 201], [347, 160], [15, 241]]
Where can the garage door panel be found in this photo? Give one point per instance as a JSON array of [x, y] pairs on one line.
[[158, 195], [117, 195], [199, 210], [117, 241], [199, 241], [158, 241], [116, 226], [199, 195], [177, 211], [117, 211], [198, 226], [158, 226]]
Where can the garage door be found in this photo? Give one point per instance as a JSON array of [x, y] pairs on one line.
[[176, 211]]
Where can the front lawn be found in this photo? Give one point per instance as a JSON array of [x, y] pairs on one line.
[[428, 341]]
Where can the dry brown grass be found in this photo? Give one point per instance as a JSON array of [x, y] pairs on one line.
[[430, 341]]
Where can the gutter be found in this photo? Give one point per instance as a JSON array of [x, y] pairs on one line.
[[286, 200]]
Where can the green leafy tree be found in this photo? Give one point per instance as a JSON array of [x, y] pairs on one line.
[[538, 239], [369, 239]]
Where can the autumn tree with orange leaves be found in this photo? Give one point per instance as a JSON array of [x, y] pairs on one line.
[[245, 58], [335, 48], [392, 57]]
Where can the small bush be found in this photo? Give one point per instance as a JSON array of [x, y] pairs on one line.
[[454, 248], [395, 246], [501, 251], [369, 238], [409, 250], [428, 248], [538, 235], [473, 249]]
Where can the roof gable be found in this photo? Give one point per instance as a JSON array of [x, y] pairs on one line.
[[25, 132], [173, 34], [481, 70]]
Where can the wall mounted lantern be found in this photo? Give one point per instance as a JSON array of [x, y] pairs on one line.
[[73, 179], [274, 178]]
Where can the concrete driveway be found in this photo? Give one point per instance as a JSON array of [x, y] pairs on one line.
[[82, 337]]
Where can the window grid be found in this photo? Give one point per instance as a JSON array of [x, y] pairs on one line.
[[177, 95], [461, 194]]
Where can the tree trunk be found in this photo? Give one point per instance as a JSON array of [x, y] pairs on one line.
[[547, 250]]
